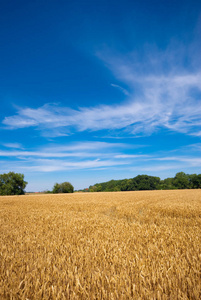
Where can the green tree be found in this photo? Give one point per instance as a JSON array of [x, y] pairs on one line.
[[93, 188], [128, 185], [146, 182], [98, 187], [110, 186], [12, 184], [181, 181], [167, 184], [195, 181], [65, 187]]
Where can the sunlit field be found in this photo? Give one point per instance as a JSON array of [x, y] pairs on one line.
[[121, 245]]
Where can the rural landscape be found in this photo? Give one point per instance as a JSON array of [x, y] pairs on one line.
[[119, 245], [100, 150]]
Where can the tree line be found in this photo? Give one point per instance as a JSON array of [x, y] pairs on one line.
[[14, 184], [146, 182]]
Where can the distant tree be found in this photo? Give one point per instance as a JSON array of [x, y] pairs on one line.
[[65, 187], [124, 185], [167, 184], [98, 187], [12, 184], [93, 188], [128, 185], [195, 181], [56, 188], [145, 182], [111, 185], [181, 181]]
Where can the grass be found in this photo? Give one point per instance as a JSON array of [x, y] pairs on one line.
[[123, 245]]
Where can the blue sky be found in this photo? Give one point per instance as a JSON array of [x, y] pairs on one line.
[[98, 90]]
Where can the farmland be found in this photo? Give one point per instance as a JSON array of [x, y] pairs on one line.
[[120, 245]]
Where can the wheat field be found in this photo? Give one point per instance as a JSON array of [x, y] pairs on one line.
[[119, 245]]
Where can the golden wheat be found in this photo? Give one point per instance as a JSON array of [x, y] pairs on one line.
[[123, 245]]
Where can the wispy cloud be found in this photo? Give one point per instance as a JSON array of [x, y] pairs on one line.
[[164, 94], [52, 158], [193, 161], [59, 165], [81, 150], [13, 145], [131, 156], [159, 168], [93, 156], [124, 91]]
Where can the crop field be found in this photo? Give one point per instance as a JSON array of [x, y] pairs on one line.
[[120, 245]]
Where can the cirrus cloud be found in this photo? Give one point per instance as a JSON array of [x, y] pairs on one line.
[[159, 97]]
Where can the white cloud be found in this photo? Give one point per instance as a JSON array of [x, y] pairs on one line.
[[53, 165], [131, 156], [82, 150], [193, 161], [115, 157], [120, 88], [165, 103], [52, 158], [13, 145], [163, 95], [160, 168], [197, 133], [192, 147], [87, 145]]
